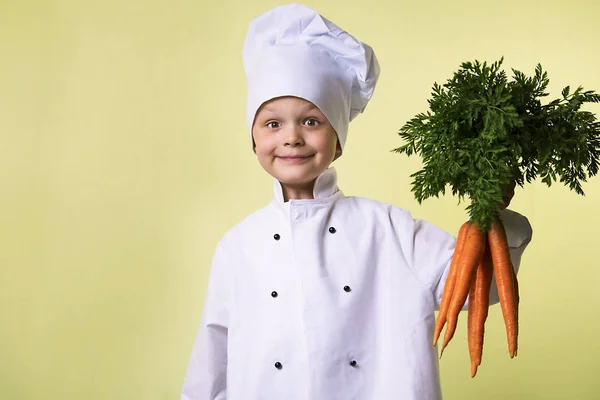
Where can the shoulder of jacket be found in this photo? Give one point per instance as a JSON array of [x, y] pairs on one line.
[[376, 205], [250, 222]]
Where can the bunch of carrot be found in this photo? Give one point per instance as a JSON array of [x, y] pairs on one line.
[[479, 256], [483, 130]]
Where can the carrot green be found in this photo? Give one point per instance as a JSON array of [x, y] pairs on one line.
[[483, 131]]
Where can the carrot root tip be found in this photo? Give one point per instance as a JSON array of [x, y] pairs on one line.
[[442, 351], [473, 369]]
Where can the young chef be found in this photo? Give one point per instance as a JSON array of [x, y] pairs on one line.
[[319, 295]]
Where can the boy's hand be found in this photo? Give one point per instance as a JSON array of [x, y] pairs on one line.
[[507, 194]]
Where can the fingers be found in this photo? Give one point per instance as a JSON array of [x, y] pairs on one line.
[[508, 193]]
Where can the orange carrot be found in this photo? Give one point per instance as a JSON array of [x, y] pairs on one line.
[[479, 301], [469, 261], [450, 281], [505, 282]]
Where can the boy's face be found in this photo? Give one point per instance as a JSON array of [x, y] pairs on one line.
[[294, 143]]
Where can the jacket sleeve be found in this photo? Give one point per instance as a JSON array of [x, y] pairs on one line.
[[429, 250], [206, 376]]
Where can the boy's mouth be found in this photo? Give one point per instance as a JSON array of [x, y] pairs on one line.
[[295, 158]]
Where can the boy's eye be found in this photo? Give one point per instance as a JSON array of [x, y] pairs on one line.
[[311, 122], [272, 124]]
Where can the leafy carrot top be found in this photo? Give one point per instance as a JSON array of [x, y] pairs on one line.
[[483, 131]]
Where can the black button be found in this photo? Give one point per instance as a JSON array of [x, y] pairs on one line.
[[332, 229], [274, 294], [278, 365], [276, 236], [347, 288], [353, 363]]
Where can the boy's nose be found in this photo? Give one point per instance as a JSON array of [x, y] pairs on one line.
[[294, 136]]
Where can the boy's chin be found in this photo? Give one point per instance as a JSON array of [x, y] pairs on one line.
[[297, 181]]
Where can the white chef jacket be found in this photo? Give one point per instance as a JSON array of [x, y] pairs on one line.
[[324, 299]]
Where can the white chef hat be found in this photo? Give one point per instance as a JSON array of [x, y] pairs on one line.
[[291, 50]]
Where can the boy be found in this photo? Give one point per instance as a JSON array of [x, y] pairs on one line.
[[318, 295]]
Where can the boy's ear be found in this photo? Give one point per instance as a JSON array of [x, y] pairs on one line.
[[338, 150]]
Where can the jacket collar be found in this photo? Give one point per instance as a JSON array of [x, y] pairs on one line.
[[325, 186]]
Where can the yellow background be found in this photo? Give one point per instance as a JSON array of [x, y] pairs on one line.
[[124, 158]]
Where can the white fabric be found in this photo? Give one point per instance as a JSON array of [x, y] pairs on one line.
[[396, 268], [291, 50]]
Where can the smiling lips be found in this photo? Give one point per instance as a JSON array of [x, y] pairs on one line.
[[294, 159]]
